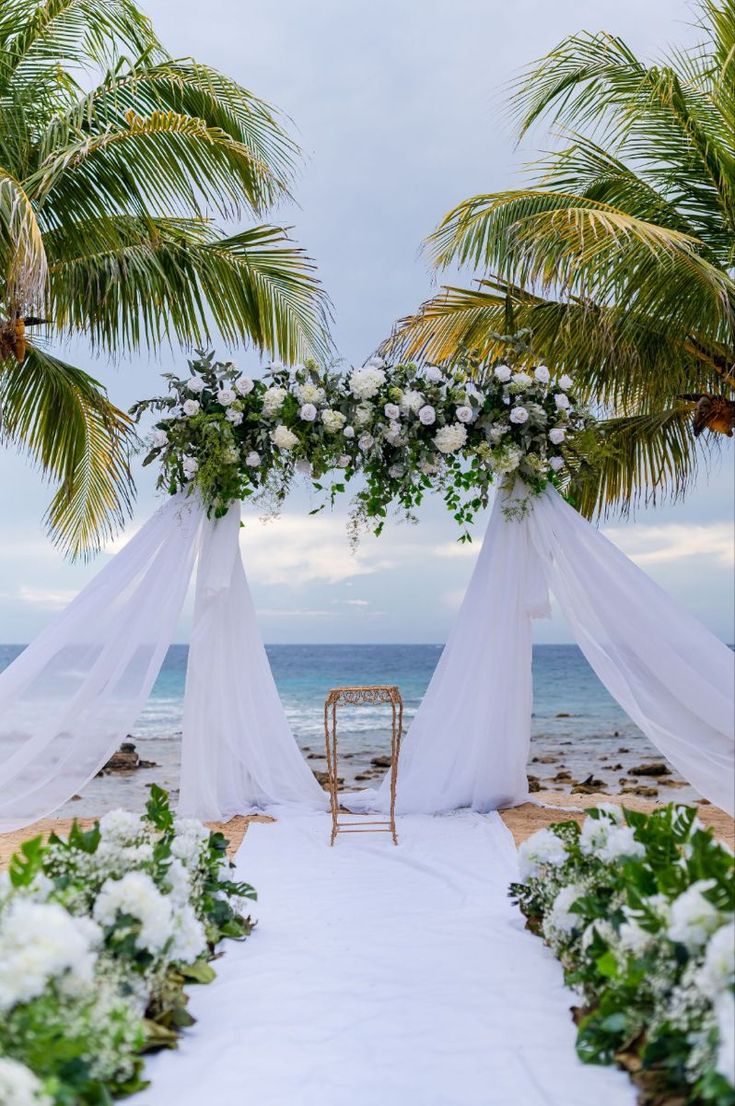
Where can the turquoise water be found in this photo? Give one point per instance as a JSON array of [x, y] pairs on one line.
[[575, 721]]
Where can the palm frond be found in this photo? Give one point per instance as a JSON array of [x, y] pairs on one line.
[[61, 417]]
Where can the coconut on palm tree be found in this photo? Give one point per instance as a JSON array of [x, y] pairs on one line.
[[619, 257], [119, 166]]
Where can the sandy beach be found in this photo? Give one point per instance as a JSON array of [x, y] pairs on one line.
[[522, 820]]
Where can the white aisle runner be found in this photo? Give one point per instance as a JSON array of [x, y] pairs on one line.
[[383, 976]]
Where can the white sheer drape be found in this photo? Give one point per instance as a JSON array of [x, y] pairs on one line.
[[468, 743], [673, 677], [238, 751], [73, 694]]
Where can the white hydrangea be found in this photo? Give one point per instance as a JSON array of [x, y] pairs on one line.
[[349, 432], [464, 414], [226, 396], [190, 840], [397, 471], [428, 468], [178, 881], [717, 972], [366, 382], [507, 460], [693, 917], [121, 826], [392, 411], [234, 416], [503, 373], [244, 385], [427, 415], [366, 442], [518, 415], [273, 400], [562, 401], [159, 438], [632, 937], [19, 1086], [283, 438], [363, 415], [565, 382], [542, 374], [560, 918], [191, 407], [41, 942], [448, 439], [189, 939], [557, 434], [190, 465], [412, 401], [393, 433], [607, 839], [333, 421], [497, 433], [522, 380], [308, 412], [621, 843], [195, 385], [310, 393], [543, 847], [725, 1015], [137, 895], [231, 456], [433, 374], [253, 459]]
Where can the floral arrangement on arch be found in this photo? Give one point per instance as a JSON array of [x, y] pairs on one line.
[[100, 934], [640, 910], [405, 430]]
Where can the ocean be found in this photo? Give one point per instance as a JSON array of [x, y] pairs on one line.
[[576, 727]]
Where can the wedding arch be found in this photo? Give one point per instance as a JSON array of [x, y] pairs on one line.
[[221, 437]]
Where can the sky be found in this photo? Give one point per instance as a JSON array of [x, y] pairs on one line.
[[399, 106]]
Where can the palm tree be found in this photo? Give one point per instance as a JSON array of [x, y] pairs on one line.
[[116, 162], [618, 258]]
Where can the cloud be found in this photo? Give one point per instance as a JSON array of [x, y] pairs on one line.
[[649, 545], [52, 599], [459, 550]]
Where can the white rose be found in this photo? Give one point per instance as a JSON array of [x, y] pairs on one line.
[[518, 415], [396, 472], [557, 434], [427, 415], [283, 438], [234, 416], [556, 463], [363, 414], [542, 374], [308, 412], [195, 385], [276, 366], [502, 373], [190, 466], [428, 467], [393, 432], [465, 414], [561, 918], [244, 385], [562, 401], [521, 380], [191, 407], [412, 401], [366, 442], [565, 382], [253, 459], [433, 374], [159, 438], [392, 411], [333, 420], [448, 439], [693, 917], [273, 400], [226, 396], [349, 432]]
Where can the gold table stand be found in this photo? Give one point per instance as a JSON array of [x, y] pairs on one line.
[[353, 696]]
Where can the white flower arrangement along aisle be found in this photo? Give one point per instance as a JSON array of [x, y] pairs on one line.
[[405, 430], [640, 910], [100, 934]]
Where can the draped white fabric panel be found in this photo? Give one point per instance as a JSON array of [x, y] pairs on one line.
[[73, 694], [468, 743], [673, 677], [238, 751]]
